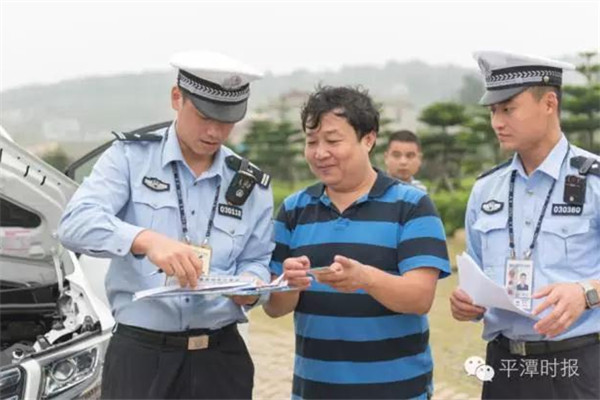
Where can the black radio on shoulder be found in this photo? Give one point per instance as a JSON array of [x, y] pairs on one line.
[[574, 192], [241, 185]]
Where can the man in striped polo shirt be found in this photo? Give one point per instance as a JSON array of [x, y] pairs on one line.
[[361, 328]]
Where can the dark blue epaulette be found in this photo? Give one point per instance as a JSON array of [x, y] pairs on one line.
[[262, 178], [144, 134], [586, 165], [137, 137], [494, 169]]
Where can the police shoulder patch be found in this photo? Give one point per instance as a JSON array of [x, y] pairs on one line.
[[494, 169]]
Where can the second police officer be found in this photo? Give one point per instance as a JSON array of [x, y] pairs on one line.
[[533, 225]]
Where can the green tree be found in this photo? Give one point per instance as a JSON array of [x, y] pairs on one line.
[[442, 148], [581, 104], [277, 148], [443, 115]]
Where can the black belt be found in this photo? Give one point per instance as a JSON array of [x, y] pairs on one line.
[[194, 339], [522, 348]]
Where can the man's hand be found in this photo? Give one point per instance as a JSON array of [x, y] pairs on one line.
[[173, 257], [294, 270], [462, 306], [348, 275], [569, 303], [248, 300]]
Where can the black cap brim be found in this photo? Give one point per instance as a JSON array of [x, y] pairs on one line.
[[498, 96], [222, 112]]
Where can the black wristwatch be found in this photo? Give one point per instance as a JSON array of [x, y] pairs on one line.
[[592, 299]]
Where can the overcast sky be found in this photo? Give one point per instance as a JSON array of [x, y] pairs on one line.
[[44, 42]]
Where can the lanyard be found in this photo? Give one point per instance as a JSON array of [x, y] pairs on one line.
[[511, 193], [182, 209]]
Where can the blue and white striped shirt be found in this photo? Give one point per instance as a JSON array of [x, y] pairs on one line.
[[348, 345]]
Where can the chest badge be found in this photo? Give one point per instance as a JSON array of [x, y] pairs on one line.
[[230, 211], [567, 209], [155, 184], [492, 207]]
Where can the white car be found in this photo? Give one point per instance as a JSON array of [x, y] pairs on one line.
[[55, 324]]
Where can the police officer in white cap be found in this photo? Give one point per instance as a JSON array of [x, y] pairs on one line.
[[536, 215], [154, 201]]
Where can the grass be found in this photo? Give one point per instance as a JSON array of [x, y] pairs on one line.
[[452, 342]]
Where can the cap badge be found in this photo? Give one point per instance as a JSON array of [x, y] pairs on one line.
[[232, 82], [485, 67]]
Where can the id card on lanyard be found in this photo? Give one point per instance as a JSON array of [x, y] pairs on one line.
[[204, 251], [519, 271], [519, 282]]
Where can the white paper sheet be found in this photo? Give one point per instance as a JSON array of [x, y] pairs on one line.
[[484, 291], [207, 285]]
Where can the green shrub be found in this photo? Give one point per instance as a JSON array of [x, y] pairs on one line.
[[452, 207]]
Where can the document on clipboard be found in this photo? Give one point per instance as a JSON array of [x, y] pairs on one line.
[[257, 290], [484, 291], [207, 285]]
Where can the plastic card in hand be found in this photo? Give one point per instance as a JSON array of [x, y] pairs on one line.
[[320, 271]]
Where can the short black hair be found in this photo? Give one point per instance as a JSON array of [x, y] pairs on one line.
[[352, 103], [404, 136], [539, 91], [523, 274]]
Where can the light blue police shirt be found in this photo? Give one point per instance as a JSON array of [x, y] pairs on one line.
[[113, 205], [567, 248]]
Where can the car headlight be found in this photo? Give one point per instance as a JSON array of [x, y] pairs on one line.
[[11, 384], [64, 373]]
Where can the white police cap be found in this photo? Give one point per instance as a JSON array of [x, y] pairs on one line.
[[508, 74], [217, 85]]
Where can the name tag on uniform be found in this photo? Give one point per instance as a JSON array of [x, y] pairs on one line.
[[519, 282], [230, 211], [566, 209]]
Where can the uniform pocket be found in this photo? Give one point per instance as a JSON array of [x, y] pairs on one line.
[[568, 243], [155, 210], [227, 241], [493, 234]]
